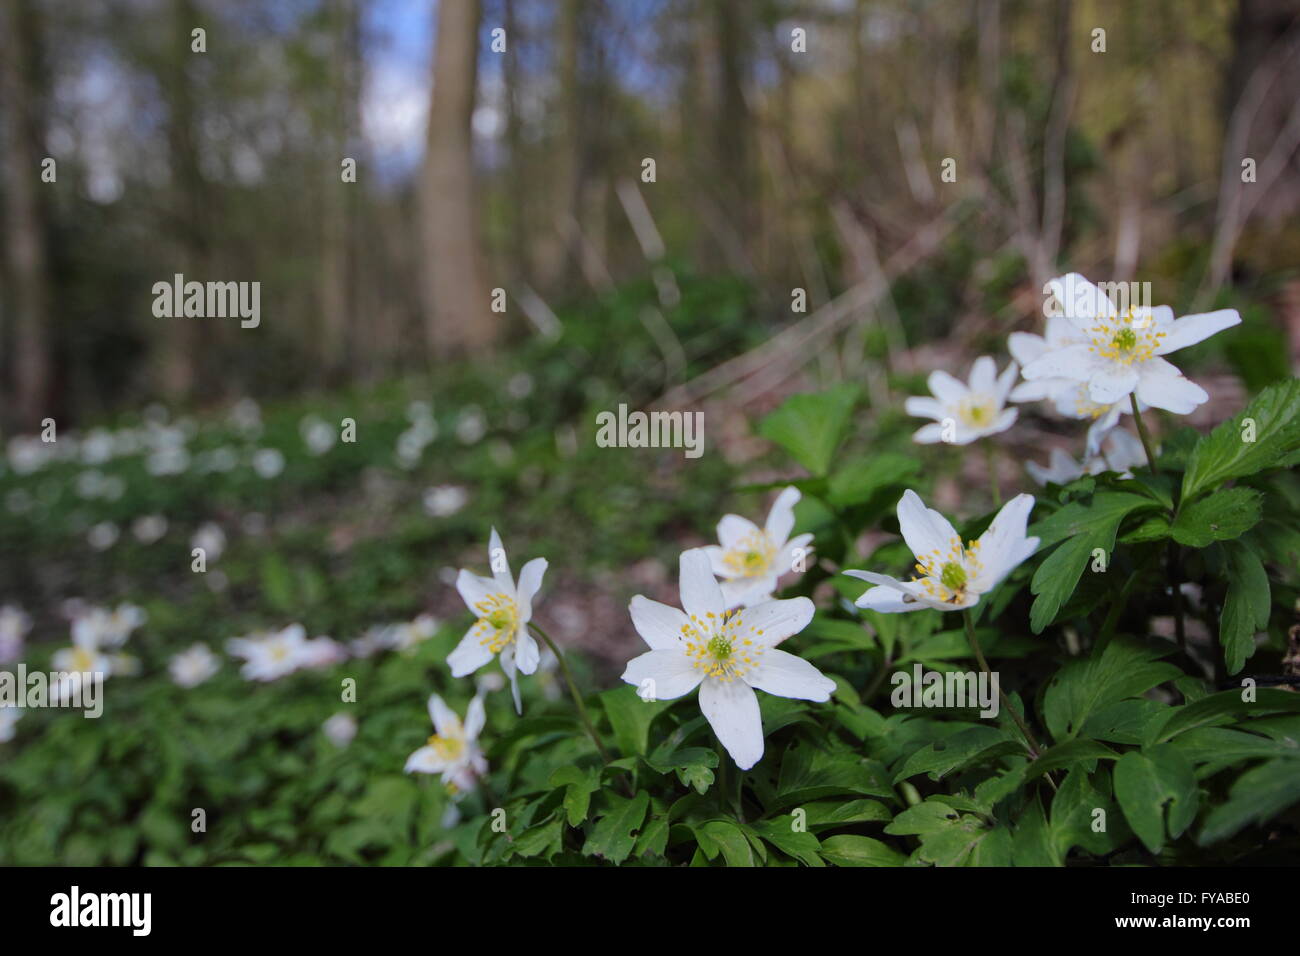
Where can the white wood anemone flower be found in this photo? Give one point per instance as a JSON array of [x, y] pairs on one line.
[[502, 611], [269, 657], [951, 576], [1121, 451], [750, 559], [1068, 396], [1122, 354], [453, 750], [965, 411], [727, 654]]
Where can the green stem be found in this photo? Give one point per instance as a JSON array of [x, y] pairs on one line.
[[573, 691], [1034, 748], [1142, 434], [991, 453]]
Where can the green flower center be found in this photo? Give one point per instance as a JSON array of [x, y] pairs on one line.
[[502, 619], [1125, 340], [720, 648], [755, 561], [953, 576]]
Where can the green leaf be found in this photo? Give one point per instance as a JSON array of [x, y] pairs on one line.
[[975, 745], [731, 840], [579, 783], [1155, 787], [1033, 838], [1216, 707], [1225, 514], [1123, 668], [614, 834], [1068, 754], [824, 814], [1087, 529], [1225, 453], [860, 480], [630, 716], [1246, 606], [1257, 795], [848, 849], [810, 427], [800, 845]]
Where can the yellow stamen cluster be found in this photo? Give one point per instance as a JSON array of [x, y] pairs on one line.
[[722, 647], [946, 575], [752, 555], [498, 622], [1125, 339], [976, 411], [82, 659], [448, 748]]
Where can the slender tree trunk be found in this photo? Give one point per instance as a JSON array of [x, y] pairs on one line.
[[24, 217], [458, 317]]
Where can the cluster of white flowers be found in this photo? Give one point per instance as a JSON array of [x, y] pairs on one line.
[[1092, 363], [270, 656]]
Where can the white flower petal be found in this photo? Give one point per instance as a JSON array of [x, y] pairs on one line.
[[744, 592], [1191, 329], [924, 529], [785, 675], [701, 596], [924, 407], [930, 434], [530, 582], [780, 520], [527, 653], [1173, 393], [474, 590], [1074, 362], [1005, 382], [1112, 383], [499, 564], [1080, 300], [659, 625], [732, 711], [733, 529], [475, 718], [777, 619], [662, 675], [945, 388], [984, 375], [470, 654], [425, 760], [1025, 346], [444, 718], [1004, 545]]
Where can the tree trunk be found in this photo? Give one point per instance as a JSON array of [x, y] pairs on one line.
[[25, 225], [457, 314]]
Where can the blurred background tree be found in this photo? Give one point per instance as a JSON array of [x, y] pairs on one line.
[[796, 144]]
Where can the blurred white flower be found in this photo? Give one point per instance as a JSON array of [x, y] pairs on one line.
[[269, 657], [246, 416], [453, 751], [322, 652], [965, 411], [402, 637], [340, 729], [28, 453], [15, 624], [318, 435], [444, 500], [193, 665], [211, 539], [149, 528], [1120, 451], [374, 640], [9, 717], [167, 460], [103, 536], [471, 425], [268, 462], [519, 385], [503, 610], [101, 627], [97, 447], [750, 559]]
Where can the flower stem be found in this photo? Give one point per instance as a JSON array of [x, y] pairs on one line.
[[573, 691], [1142, 434], [991, 453], [1034, 748]]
